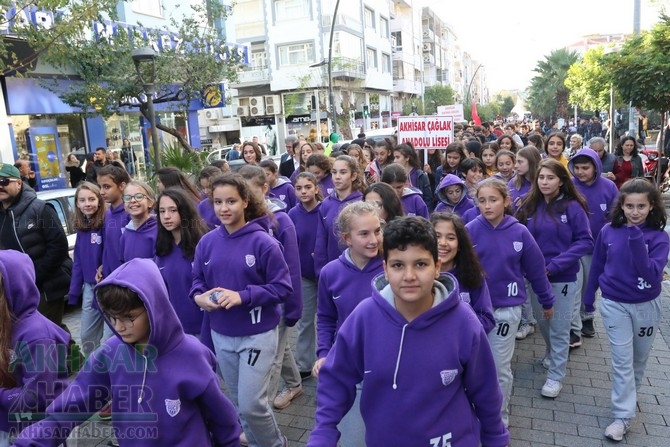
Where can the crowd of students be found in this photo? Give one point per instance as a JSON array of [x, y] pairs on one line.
[[407, 283]]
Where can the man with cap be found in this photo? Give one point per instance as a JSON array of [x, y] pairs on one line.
[[30, 225]]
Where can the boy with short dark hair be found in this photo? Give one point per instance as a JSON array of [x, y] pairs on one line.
[[601, 194], [426, 367], [280, 187], [162, 382]]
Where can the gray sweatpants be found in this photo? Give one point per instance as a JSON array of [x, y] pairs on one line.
[[284, 364], [305, 345]]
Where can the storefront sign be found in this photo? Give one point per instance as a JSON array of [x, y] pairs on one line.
[[426, 132], [45, 147]]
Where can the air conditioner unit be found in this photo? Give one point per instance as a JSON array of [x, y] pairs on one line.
[[273, 105], [426, 48], [243, 111], [256, 111], [257, 104], [212, 114]]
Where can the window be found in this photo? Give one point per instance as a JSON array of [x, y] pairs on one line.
[[396, 40], [384, 27], [148, 7], [372, 58], [369, 18], [386, 63], [258, 59], [296, 54], [292, 9]]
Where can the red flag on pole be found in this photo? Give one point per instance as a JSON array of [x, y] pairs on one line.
[[475, 116]]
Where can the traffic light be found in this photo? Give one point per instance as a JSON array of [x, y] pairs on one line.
[[366, 111]]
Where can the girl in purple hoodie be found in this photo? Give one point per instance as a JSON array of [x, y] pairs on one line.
[[343, 284], [240, 277], [139, 238], [411, 198], [556, 215], [348, 183], [32, 348], [405, 155], [628, 261], [89, 218]]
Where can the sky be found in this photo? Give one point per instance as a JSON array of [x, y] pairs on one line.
[[509, 38]]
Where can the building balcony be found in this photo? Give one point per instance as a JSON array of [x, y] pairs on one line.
[[253, 76], [348, 69], [407, 86]]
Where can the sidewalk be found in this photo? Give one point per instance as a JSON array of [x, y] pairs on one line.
[[577, 418]]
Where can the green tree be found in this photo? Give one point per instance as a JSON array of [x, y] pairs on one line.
[[589, 81], [506, 106], [547, 94], [108, 78], [23, 42], [438, 95], [639, 70]]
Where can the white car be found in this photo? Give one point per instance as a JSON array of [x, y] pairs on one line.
[[62, 201]]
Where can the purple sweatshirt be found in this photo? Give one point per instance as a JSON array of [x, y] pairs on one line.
[[601, 195], [116, 220], [517, 194], [87, 258], [448, 390], [326, 185], [139, 242], [627, 264], [479, 299], [464, 203], [206, 211], [177, 272], [285, 192], [328, 246], [342, 286], [37, 348], [306, 223], [413, 204], [470, 214], [509, 254], [168, 388], [563, 235], [250, 262]]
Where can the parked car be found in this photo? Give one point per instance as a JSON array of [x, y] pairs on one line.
[[63, 202]]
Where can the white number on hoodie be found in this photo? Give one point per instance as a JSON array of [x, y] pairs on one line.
[[642, 284], [512, 289], [441, 441], [255, 315]]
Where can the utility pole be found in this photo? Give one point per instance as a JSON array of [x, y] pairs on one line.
[[632, 122]]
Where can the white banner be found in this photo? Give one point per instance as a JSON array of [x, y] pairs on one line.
[[426, 132], [455, 110]]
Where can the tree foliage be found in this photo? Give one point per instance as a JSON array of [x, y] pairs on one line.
[[547, 94], [438, 95], [22, 42], [641, 69], [109, 81], [589, 81]]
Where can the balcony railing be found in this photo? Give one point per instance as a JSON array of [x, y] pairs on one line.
[[348, 69]]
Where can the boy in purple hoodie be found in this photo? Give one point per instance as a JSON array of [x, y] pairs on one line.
[[394, 358], [452, 196], [161, 382], [601, 194], [33, 373], [280, 187]]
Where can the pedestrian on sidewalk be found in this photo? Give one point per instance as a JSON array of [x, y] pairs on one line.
[[628, 261]]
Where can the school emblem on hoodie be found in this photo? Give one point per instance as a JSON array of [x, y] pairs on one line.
[[282, 197], [564, 218], [465, 297], [448, 376], [250, 260], [518, 246], [172, 407], [603, 206]]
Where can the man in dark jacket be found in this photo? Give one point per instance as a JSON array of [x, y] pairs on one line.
[[30, 225], [289, 159]]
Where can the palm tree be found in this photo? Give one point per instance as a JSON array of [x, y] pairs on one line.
[[547, 94]]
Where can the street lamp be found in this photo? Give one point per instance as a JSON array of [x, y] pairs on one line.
[[467, 95], [329, 63], [145, 64]]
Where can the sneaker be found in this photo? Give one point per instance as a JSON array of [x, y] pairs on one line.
[[244, 442], [551, 388], [588, 330], [106, 413], [524, 331], [284, 398], [545, 362], [575, 340], [617, 429]]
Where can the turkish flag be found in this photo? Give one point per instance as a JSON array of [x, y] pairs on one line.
[[475, 116]]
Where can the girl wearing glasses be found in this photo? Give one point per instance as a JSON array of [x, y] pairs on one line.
[[139, 238]]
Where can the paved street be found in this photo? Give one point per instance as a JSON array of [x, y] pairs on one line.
[[577, 417]]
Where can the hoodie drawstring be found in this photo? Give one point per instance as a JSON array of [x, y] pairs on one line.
[[144, 379], [397, 362]]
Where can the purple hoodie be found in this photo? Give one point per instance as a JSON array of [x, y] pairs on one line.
[[448, 390], [250, 262], [563, 235], [326, 185], [327, 246], [509, 254], [464, 203], [116, 220], [285, 192], [206, 211], [480, 301], [177, 272], [413, 204], [601, 195], [627, 265], [37, 350], [342, 286], [139, 242], [517, 194], [306, 223], [168, 388], [470, 214], [87, 258]]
